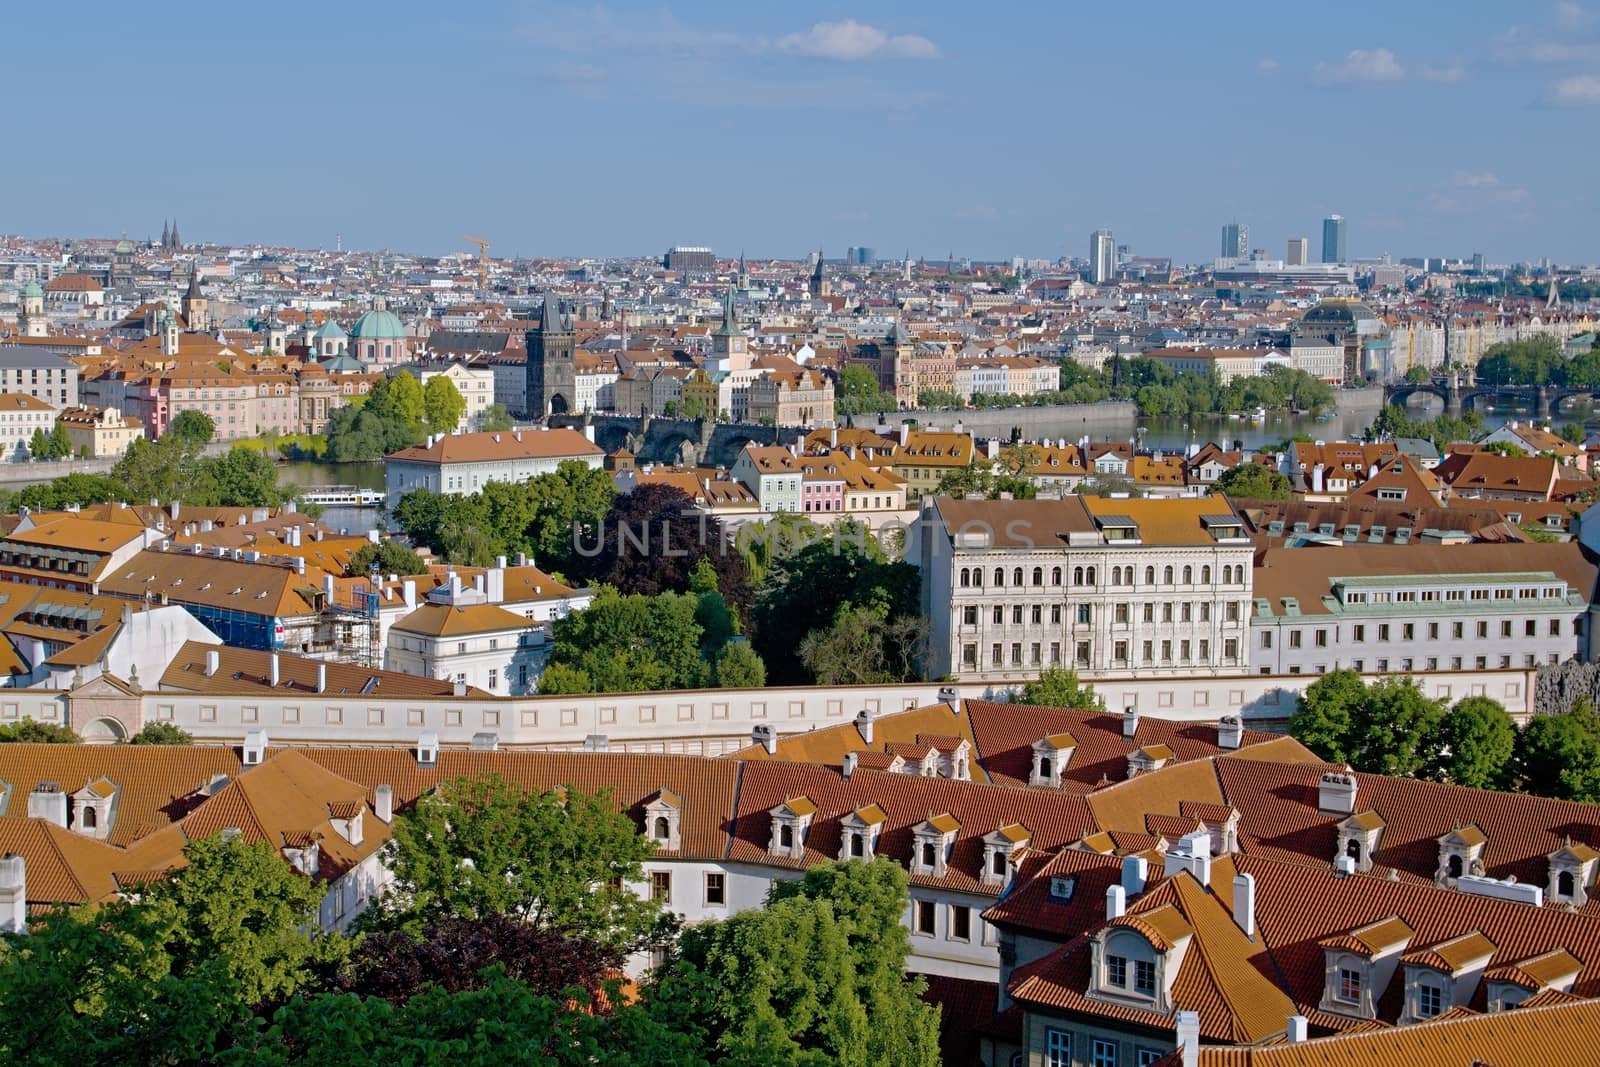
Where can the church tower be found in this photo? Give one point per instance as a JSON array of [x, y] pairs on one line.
[[552, 367], [819, 281], [729, 346], [31, 321], [166, 234], [744, 274], [197, 309]]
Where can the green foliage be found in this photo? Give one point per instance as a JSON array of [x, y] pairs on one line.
[[1503, 448], [391, 557], [1325, 715], [814, 978], [83, 489], [632, 643], [1389, 727], [940, 399], [1535, 361], [39, 445], [60, 442], [391, 417], [495, 417], [740, 668], [556, 860], [173, 468], [1477, 738], [975, 481], [1572, 432], [1559, 755], [32, 731], [1058, 688], [161, 733], [193, 425], [1255, 481], [858, 392], [239, 477], [443, 404], [1393, 422], [864, 646], [1418, 374], [242, 905]]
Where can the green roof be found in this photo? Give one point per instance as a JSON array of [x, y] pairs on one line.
[[378, 325]]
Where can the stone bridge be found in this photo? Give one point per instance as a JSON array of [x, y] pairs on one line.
[[689, 442], [1459, 393]]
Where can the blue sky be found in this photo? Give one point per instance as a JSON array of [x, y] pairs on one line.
[[990, 130]]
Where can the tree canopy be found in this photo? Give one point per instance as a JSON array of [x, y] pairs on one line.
[[193, 425], [1057, 688], [443, 404], [1255, 481], [390, 556]]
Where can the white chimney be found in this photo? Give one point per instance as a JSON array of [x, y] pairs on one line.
[[1116, 901], [1135, 873], [383, 802], [1336, 793], [428, 749], [49, 803], [213, 662], [1230, 731], [1244, 903], [299, 564], [327, 587], [1296, 1030], [13, 894], [409, 591], [272, 669], [322, 677], [1130, 722], [766, 735], [850, 759], [1344, 866], [864, 719], [1189, 1037], [255, 747], [372, 536]]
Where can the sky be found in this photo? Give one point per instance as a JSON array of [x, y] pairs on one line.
[[989, 131]]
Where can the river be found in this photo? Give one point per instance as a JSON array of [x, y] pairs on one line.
[[306, 474]]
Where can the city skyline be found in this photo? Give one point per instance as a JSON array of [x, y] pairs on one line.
[[622, 129]]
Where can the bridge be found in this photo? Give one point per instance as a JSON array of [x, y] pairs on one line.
[[1460, 393], [689, 442]]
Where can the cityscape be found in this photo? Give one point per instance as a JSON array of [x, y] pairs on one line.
[[866, 613]]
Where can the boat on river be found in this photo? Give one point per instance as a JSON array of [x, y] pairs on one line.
[[343, 496]]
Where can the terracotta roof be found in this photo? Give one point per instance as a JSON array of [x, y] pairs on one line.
[[507, 445], [245, 670], [444, 620]]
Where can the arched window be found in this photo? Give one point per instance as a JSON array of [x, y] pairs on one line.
[[858, 847], [1038, 576], [1205, 575], [87, 819], [966, 577], [1149, 576], [1352, 849], [1044, 767], [999, 576], [1188, 576], [786, 836], [1077, 576], [1455, 866], [977, 577], [1016, 576], [927, 853], [1166, 576], [1091, 575], [663, 831], [1564, 884], [1055, 575]]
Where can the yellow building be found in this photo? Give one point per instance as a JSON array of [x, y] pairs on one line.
[[102, 431], [926, 456]]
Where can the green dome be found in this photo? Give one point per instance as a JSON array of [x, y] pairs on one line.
[[32, 289], [332, 330], [378, 325]]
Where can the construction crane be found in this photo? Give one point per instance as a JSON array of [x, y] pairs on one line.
[[483, 260]]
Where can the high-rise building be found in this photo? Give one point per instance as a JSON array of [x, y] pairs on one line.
[[1102, 257], [1299, 252], [1334, 247], [690, 260], [1235, 241]]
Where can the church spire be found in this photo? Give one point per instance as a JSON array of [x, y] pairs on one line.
[[730, 320], [166, 233], [177, 242]]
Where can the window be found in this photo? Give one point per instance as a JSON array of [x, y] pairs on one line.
[[1117, 971], [1430, 1000], [661, 886], [716, 888], [1530, 628], [1294, 638], [1057, 1048], [969, 616], [960, 922], [999, 615], [1408, 631], [1104, 1053], [1349, 989], [1016, 614], [1144, 977], [1144, 1057], [1083, 613], [1038, 614], [925, 917]]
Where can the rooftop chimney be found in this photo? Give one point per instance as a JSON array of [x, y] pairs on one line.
[[48, 802], [1244, 903], [1296, 1030], [864, 719], [255, 747], [428, 749], [409, 590], [213, 662], [1336, 793], [13, 894], [1135, 873], [272, 669], [383, 802], [850, 759], [1189, 1037], [1230, 731], [1116, 901], [322, 677], [1130, 721], [766, 735]]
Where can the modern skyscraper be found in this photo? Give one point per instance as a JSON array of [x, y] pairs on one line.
[[1235, 241], [1102, 257], [1334, 248], [1299, 252]]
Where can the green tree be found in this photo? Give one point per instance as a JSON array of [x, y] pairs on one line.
[[240, 477], [193, 425], [1503, 448], [557, 860], [75, 488], [391, 557], [1397, 729], [1559, 755], [161, 733], [35, 732], [1325, 715], [624, 643], [1478, 739], [1255, 481], [398, 398], [559, 679], [60, 442], [863, 646], [1417, 374], [495, 417], [443, 404], [740, 668], [243, 906], [1058, 688], [39, 445], [1572, 432]]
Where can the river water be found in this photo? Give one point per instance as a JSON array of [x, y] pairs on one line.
[[307, 474]]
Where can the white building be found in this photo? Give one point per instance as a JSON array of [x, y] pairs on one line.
[[466, 462], [463, 636], [20, 417]]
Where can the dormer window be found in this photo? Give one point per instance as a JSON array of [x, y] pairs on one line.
[[934, 841], [1572, 873], [1050, 757], [1148, 758], [858, 832], [1358, 966], [1460, 853], [1444, 975], [1358, 838], [663, 817], [1135, 958], [790, 821], [1000, 849]]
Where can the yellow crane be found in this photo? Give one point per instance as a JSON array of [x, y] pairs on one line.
[[483, 260]]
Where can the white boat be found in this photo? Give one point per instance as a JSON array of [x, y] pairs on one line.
[[342, 496]]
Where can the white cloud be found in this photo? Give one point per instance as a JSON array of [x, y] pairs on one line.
[[1373, 65], [852, 41], [1477, 191], [1267, 66], [1445, 73], [1577, 91]]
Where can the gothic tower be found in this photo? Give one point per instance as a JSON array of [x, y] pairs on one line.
[[197, 309], [729, 346], [819, 281], [552, 368]]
